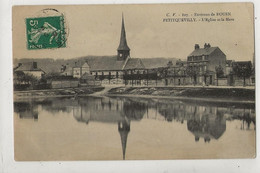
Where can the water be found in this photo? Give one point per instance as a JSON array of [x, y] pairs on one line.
[[103, 128]]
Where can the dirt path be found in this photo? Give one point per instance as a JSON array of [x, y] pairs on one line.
[[103, 92]]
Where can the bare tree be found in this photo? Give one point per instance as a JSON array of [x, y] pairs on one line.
[[193, 72], [219, 72]]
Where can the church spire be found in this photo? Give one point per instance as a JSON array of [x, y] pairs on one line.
[[123, 51]]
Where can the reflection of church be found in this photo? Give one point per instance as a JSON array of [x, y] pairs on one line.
[[106, 110]]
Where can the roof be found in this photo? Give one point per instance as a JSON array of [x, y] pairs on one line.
[[134, 63], [203, 51], [111, 63], [28, 66], [105, 63], [151, 63], [67, 71], [80, 64]]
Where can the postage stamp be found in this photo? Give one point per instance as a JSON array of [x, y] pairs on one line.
[[45, 32]]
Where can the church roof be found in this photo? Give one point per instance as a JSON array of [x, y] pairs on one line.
[[105, 63], [134, 63], [123, 43], [110, 63], [203, 51]]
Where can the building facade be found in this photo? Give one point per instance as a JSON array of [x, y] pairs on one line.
[[203, 62], [203, 67], [79, 70]]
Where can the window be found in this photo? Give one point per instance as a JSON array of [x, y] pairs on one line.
[[189, 58]]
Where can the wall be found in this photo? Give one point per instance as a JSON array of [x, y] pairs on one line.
[[37, 74], [217, 58], [76, 72], [179, 80], [221, 82]]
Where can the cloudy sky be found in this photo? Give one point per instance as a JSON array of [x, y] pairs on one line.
[[95, 30]]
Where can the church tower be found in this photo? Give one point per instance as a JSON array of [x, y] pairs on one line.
[[123, 50]]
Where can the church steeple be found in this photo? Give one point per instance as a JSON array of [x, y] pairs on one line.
[[123, 51]]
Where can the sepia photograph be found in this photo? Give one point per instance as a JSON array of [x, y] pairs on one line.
[[134, 82]]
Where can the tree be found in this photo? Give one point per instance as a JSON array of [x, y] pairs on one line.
[[243, 70], [206, 74], [219, 72], [29, 79], [169, 64], [50, 75], [193, 72]]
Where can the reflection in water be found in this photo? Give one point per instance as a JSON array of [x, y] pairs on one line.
[[205, 121], [123, 129], [109, 110], [26, 110]]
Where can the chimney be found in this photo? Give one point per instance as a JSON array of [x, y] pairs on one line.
[[205, 45], [197, 46], [34, 65]]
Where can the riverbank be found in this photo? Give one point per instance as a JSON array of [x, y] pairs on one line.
[[192, 93], [65, 92], [216, 94]]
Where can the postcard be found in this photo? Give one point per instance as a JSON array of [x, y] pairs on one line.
[[134, 82]]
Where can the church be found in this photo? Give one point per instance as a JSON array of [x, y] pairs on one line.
[[111, 69]]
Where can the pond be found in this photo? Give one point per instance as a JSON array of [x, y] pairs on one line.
[[120, 128]]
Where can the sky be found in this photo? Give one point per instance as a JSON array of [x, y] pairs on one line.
[[95, 30]]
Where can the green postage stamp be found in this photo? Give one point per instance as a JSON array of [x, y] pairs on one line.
[[45, 32]]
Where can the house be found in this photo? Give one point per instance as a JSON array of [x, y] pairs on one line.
[[29, 68], [176, 74], [202, 64], [79, 70]]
